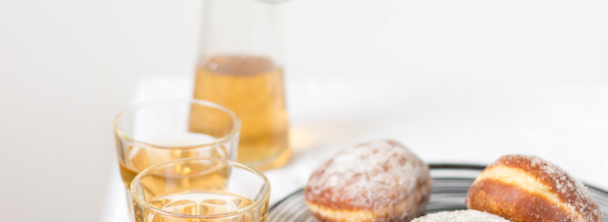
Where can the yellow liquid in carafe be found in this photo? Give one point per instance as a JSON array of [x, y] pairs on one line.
[[251, 87]]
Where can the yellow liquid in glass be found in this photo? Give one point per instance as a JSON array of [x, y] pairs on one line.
[[140, 157], [201, 202]]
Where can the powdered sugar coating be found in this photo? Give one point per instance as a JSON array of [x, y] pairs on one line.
[[567, 188], [461, 216], [368, 176]]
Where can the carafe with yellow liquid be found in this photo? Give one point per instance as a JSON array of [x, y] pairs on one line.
[[240, 67]]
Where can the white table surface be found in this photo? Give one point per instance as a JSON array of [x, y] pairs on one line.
[[565, 123]]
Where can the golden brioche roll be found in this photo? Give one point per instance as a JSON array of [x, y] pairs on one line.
[[527, 189], [375, 181], [461, 216]]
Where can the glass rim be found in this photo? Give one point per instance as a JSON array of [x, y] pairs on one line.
[[235, 129], [240, 211]]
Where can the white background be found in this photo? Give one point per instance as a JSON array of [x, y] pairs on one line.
[[68, 66]]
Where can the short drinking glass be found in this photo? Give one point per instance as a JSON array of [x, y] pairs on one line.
[[161, 131], [200, 189]]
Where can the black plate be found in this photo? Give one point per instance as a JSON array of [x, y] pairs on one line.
[[451, 183]]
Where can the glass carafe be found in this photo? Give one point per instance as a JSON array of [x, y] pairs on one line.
[[240, 67]]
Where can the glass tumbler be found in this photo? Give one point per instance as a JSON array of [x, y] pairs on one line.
[[200, 189], [161, 131]]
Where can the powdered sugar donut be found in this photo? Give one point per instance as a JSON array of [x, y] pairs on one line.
[[374, 181], [461, 216], [529, 189]]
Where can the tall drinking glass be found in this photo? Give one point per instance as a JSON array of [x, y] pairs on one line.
[[200, 190], [161, 131]]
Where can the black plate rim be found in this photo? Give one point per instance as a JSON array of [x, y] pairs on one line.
[[432, 166]]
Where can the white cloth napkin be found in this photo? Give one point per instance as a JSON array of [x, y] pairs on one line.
[[565, 123]]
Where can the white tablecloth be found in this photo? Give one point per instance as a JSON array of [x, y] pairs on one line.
[[565, 123]]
